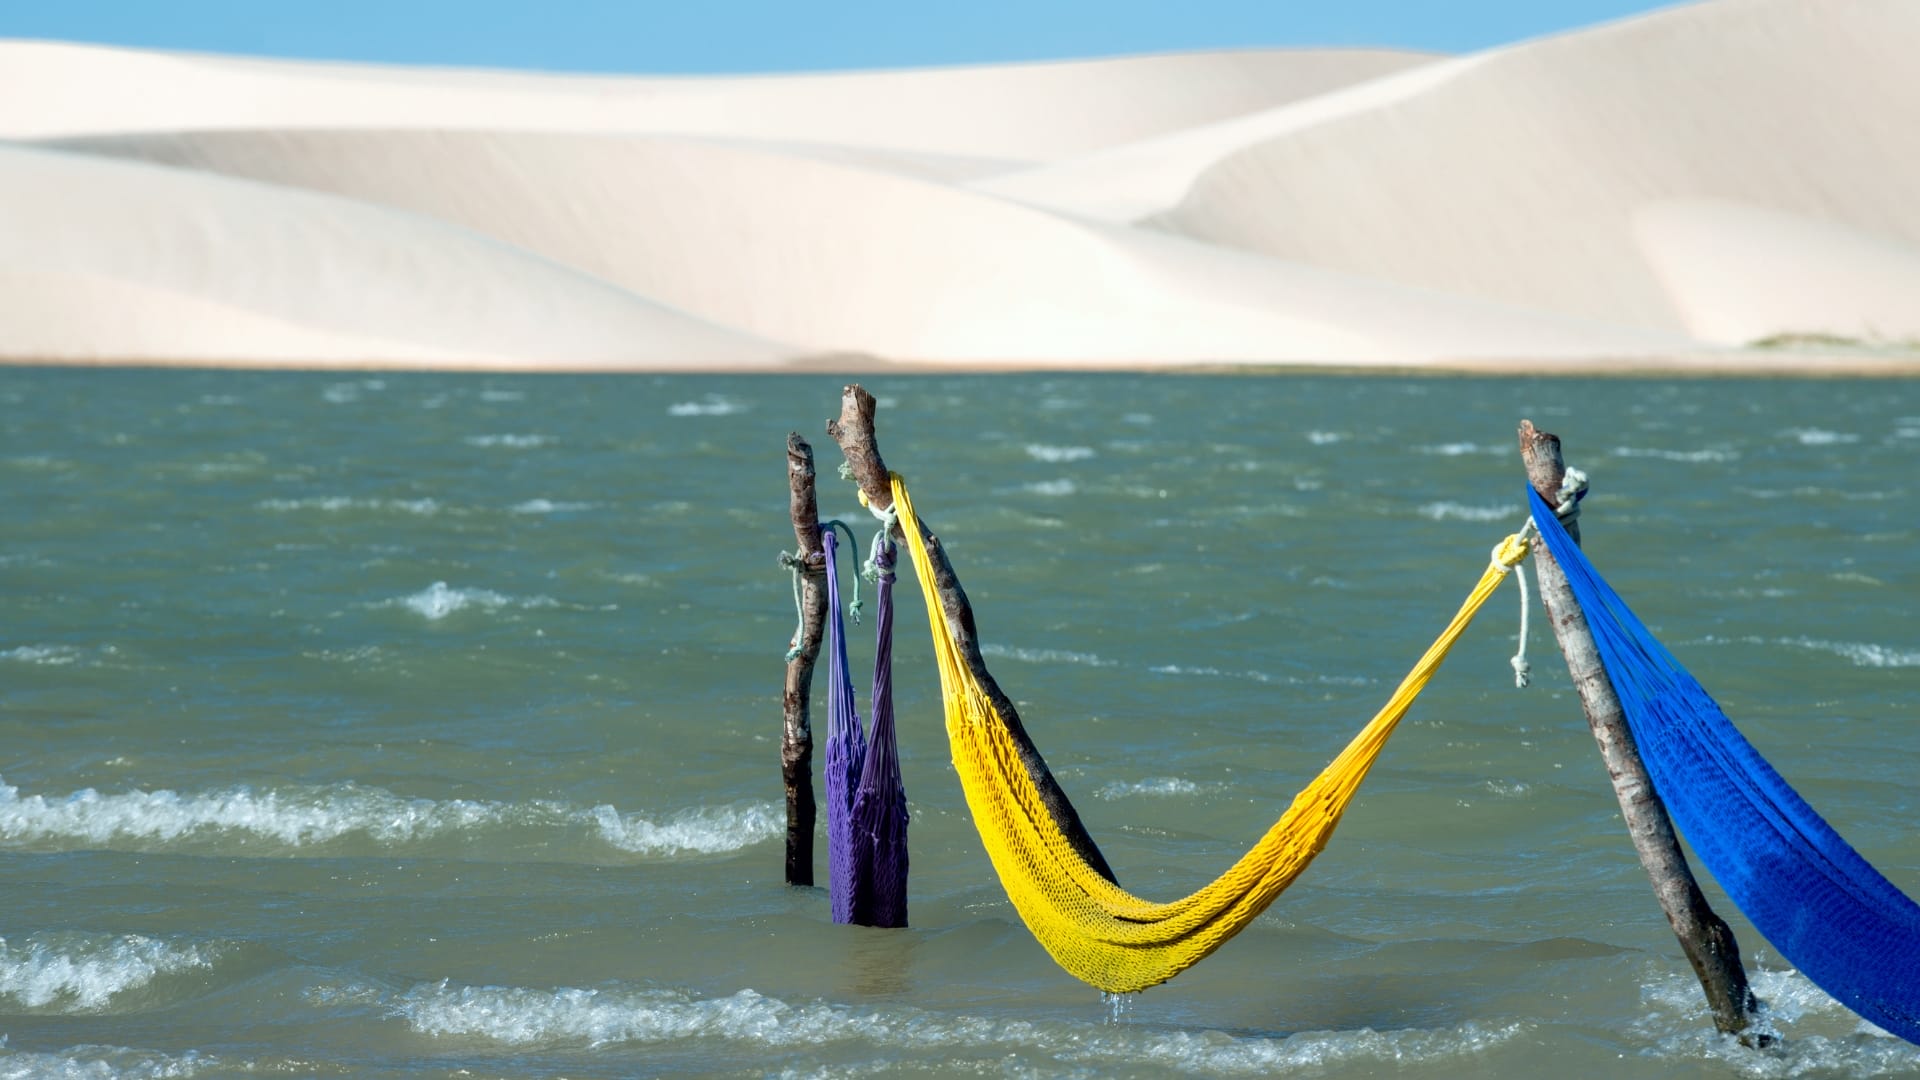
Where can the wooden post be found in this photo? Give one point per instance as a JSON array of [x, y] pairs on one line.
[[854, 432], [1705, 937], [796, 744]]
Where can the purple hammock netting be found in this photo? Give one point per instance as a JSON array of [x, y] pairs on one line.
[[866, 801]]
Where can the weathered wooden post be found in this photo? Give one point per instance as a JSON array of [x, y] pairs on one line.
[[1705, 937], [854, 432], [809, 562]]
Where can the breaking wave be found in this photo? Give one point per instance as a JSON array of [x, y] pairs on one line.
[[439, 600], [1453, 511], [1821, 1037], [76, 972], [711, 405], [1054, 455], [300, 819], [521, 1017]]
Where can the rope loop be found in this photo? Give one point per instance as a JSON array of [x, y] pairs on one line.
[[871, 568], [853, 545], [1522, 671], [889, 519], [1508, 555], [795, 563]]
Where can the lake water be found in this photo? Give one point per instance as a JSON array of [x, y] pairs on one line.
[[428, 725]]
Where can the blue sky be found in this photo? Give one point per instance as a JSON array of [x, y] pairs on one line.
[[783, 35]]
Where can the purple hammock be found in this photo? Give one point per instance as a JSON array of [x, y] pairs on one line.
[[866, 801]]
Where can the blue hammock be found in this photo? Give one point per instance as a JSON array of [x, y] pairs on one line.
[[1813, 897]]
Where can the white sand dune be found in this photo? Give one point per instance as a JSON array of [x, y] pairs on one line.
[[140, 262], [832, 257], [1738, 274], [1658, 190], [1132, 181], [1011, 112], [1518, 178]]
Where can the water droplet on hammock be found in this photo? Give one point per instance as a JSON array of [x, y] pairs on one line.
[[1118, 1006]]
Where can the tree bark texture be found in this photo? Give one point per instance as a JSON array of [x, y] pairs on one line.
[[796, 743], [1704, 936], [854, 432]]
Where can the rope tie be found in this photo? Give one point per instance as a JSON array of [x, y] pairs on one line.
[[1522, 671], [853, 607], [889, 519], [1573, 488], [1508, 555], [796, 561]]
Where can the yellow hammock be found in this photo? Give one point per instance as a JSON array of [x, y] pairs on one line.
[[1099, 932]]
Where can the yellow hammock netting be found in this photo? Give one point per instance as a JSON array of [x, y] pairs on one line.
[[1099, 932]]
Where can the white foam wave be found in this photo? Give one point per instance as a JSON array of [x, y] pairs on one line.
[[1258, 676], [1690, 456], [1460, 449], [1153, 786], [1046, 656], [95, 1062], [37, 461], [1818, 1036], [1810, 491], [511, 442], [294, 818], [346, 393], [1057, 454], [83, 973], [338, 503], [1453, 511], [704, 831], [305, 817], [1050, 487], [548, 506], [523, 1017], [47, 655], [1324, 438], [1216, 673], [438, 600], [1862, 653], [1820, 437], [711, 405], [497, 396]]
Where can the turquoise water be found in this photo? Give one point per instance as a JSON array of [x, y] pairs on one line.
[[427, 725]]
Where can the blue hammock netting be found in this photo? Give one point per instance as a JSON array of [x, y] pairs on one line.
[[1827, 911]]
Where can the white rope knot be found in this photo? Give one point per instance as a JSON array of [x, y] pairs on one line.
[[1573, 488]]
